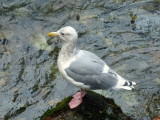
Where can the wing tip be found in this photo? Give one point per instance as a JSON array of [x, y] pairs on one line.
[[128, 85]]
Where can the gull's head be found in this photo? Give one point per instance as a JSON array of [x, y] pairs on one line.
[[67, 34]]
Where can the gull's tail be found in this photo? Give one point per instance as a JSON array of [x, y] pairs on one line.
[[128, 85], [124, 84]]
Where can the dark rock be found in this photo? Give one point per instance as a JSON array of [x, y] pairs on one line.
[[94, 107]]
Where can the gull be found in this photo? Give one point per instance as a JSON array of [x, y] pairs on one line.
[[85, 69]]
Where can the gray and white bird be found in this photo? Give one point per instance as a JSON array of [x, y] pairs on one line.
[[85, 69]]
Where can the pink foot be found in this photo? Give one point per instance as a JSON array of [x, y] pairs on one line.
[[77, 99]]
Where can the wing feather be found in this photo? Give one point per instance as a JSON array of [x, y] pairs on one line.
[[88, 69]]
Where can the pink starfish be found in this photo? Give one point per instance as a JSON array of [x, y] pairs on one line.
[[77, 99]]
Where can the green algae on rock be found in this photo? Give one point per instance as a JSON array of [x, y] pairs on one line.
[[94, 107], [61, 105]]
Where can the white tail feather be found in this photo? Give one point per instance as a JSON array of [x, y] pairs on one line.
[[124, 84]]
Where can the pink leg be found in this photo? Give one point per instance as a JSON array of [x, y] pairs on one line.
[[77, 99]]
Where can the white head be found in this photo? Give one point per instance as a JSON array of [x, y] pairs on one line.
[[67, 34]]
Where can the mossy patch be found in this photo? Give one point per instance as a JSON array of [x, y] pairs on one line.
[[60, 106], [94, 107], [54, 71], [55, 51]]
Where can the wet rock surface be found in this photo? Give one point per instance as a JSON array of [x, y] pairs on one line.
[[125, 34]]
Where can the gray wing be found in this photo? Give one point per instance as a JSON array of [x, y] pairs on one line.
[[88, 69]]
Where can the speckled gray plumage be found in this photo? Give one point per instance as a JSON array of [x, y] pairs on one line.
[[83, 68]]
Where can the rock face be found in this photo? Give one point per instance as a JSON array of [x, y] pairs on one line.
[[125, 34], [94, 107]]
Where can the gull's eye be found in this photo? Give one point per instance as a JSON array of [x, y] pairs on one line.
[[62, 33]]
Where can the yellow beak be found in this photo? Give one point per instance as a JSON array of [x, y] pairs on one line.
[[53, 34]]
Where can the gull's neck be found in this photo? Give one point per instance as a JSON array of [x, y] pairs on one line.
[[68, 50]]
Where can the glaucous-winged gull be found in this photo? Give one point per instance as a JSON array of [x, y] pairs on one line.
[[85, 69]]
